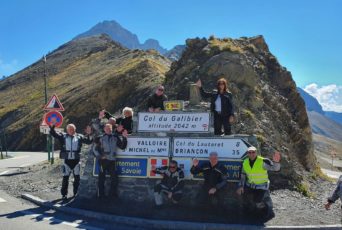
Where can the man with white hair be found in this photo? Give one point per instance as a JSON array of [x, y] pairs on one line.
[[71, 144], [215, 179], [105, 149], [254, 183]]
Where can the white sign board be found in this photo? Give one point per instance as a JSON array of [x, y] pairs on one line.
[[202, 147], [46, 129], [146, 146], [173, 122]]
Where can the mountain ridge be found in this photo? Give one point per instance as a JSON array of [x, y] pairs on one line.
[[120, 34]]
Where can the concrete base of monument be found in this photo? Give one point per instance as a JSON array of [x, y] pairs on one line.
[[136, 199]]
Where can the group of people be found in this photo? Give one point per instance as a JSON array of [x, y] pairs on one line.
[[107, 137], [253, 186]]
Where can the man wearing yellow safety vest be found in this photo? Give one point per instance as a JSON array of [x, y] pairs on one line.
[[254, 182]]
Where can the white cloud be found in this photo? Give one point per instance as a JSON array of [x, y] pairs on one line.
[[329, 96]]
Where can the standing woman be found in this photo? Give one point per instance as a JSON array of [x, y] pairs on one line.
[[221, 105]]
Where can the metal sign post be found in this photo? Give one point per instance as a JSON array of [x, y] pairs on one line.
[[56, 118], [52, 150]]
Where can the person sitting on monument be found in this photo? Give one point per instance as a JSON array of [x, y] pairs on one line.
[[127, 120], [71, 144], [155, 103], [221, 106], [171, 185], [105, 149], [254, 183], [215, 179]]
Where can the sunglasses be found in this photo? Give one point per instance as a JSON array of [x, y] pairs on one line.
[[160, 90], [172, 167]]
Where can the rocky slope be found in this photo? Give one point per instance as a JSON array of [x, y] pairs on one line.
[[175, 53], [94, 72], [87, 74], [323, 125], [335, 116], [265, 96]]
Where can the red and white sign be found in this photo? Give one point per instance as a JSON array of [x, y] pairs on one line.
[[54, 104], [54, 118], [154, 163]]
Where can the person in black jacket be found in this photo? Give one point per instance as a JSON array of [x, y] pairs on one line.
[[221, 106], [215, 179], [156, 102], [171, 185], [120, 123], [71, 143], [105, 149]]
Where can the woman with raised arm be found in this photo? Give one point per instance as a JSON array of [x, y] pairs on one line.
[[221, 106]]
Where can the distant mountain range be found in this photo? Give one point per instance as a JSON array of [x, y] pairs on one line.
[[130, 40], [322, 122], [311, 103]]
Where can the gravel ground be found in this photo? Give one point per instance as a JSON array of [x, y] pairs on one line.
[[290, 207]]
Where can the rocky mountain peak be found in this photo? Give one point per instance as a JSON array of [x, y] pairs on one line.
[[265, 96], [121, 35]]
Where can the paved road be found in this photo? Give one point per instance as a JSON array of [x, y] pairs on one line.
[[18, 214], [19, 160], [332, 174]]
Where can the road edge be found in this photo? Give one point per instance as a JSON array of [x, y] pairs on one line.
[[160, 224]]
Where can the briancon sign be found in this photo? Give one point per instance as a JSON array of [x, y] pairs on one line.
[[232, 148], [174, 122]]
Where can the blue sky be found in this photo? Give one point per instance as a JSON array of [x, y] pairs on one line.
[[304, 35]]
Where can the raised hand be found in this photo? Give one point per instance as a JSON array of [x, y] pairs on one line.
[[199, 83], [125, 133], [276, 157], [102, 114]]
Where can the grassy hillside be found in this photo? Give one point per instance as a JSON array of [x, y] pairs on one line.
[[87, 74]]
